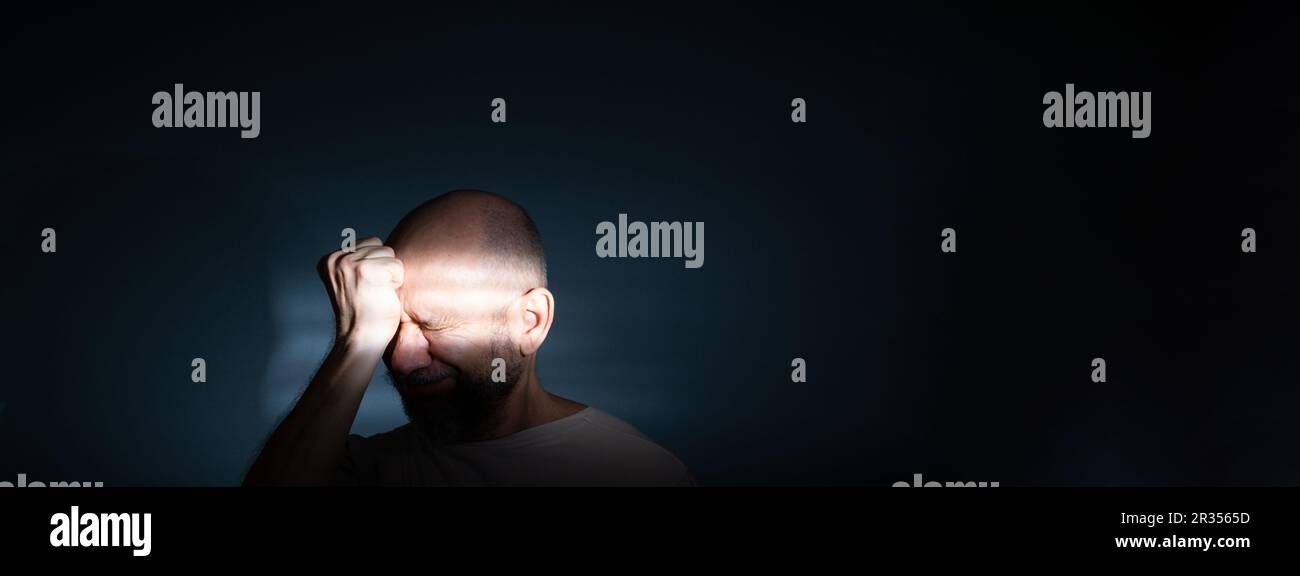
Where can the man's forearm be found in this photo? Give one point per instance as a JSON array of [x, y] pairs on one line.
[[307, 446]]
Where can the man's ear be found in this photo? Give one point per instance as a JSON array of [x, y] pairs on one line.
[[531, 318]]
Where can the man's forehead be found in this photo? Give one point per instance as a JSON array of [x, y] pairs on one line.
[[431, 271], [433, 289], [443, 290]]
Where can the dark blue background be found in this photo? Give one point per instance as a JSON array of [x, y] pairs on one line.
[[821, 239]]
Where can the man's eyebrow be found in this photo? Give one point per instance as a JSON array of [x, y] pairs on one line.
[[432, 320]]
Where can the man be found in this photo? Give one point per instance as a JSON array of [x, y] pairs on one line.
[[457, 307]]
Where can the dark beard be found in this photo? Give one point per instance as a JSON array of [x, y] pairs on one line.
[[469, 410]]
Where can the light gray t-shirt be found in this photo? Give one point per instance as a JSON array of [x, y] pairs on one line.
[[588, 448]]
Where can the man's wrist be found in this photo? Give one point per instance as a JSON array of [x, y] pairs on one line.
[[360, 343]]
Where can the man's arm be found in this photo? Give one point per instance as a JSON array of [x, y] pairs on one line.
[[308, 445]]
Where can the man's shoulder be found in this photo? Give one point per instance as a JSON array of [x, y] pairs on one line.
[[605, 423], [589, 447], [625, 449], [399, 440]]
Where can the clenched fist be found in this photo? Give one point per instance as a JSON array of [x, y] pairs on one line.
[[363, 289]]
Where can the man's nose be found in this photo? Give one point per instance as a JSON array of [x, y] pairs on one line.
[[410, 349]]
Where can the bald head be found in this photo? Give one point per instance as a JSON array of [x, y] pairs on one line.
[[473, 293], [475, 237]]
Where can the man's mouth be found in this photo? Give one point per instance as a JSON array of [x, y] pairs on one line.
[[427, 383], [425, 387]]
